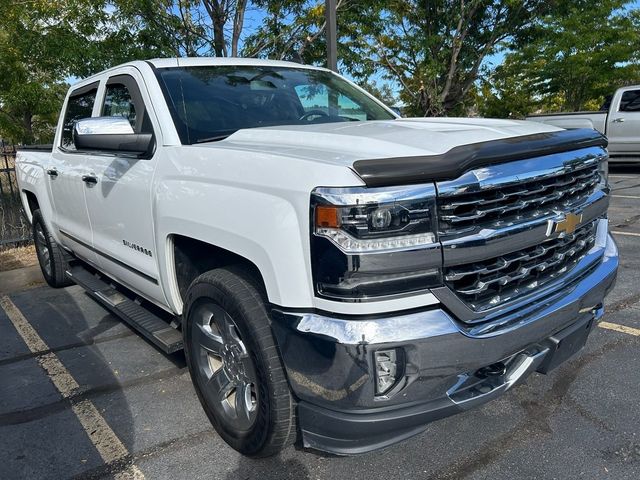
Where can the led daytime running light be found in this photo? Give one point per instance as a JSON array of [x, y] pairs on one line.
[[351, 245]]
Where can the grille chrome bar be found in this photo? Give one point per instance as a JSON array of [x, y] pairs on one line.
[[484, 285], [494, 227], [493, 198]]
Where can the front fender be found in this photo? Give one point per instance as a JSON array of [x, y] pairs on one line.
[[251, 224]]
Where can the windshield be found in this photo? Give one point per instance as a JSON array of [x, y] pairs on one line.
[[211, 103]]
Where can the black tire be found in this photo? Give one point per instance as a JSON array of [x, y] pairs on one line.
[[51, 257], [269, 421]]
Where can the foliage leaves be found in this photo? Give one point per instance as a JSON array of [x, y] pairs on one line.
[[569, 61], [429, 54]]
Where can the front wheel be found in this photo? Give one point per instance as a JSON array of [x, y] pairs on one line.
[[51, 257], [235, 365]]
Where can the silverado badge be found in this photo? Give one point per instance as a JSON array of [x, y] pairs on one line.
[[567, 225]]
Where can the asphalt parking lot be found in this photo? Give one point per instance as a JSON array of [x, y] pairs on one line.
[[82, 396]]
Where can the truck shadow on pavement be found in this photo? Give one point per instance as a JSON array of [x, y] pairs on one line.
[[42, 436]]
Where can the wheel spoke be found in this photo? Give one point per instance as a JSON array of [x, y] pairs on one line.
[[243, 403], [226, 327], [220, 385], [208, 339], [247, 365]]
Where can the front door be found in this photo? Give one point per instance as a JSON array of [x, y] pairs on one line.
[[623, 130], [119, 204]]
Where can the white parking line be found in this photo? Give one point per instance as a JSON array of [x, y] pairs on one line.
[[622, 176], [626, 196], [629, 234], [620, 328], [98, 430]]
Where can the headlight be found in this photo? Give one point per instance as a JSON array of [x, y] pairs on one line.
[[374, 242]]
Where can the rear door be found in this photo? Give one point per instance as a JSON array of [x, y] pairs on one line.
[[119, 204], [65, 176], [623, 129]]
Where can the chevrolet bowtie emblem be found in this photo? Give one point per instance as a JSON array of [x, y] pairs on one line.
[[567, 225]]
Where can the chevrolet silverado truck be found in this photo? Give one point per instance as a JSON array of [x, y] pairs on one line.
[[618, 119], [337, 276]]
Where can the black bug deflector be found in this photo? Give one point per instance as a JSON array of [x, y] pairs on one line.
[[450, 165]]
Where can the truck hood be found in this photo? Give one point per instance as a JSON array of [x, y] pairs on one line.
[[345, 143]]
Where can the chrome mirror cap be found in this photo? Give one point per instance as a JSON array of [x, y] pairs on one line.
[[103, 126], [111, 134]]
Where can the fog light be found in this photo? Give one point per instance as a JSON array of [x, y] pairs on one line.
[[386, 370]]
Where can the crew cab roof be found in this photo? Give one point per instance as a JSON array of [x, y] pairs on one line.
[[226, 61], [197, 62]]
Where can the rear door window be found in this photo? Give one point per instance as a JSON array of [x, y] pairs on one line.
[[79, 106], [630, 101]]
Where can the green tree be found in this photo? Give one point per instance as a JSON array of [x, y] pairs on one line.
[[38, 46], [44, 43], [568, 61], [436, 50], [433, 51]]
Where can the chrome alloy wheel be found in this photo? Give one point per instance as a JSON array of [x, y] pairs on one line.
[[227, 374], [42, 249]]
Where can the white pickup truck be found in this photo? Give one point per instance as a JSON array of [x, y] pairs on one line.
[[618, 119], [335, 274]]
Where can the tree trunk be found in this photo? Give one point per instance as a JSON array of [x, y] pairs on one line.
[[217, 10], [238, 24], [27, 125]]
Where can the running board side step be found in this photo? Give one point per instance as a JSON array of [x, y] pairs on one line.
[[152, 327]]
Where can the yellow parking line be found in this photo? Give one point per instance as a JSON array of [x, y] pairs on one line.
[[98, 430], [620, 328], [629, 234], [626, 196]]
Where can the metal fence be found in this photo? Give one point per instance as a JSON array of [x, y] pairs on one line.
[[14, 226]]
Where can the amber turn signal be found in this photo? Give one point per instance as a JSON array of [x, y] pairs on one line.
[[327, 216]]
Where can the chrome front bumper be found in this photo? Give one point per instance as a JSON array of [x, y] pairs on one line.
[[329, 362]]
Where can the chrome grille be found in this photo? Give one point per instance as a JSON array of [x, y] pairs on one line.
[[493, 282], [466, 212]]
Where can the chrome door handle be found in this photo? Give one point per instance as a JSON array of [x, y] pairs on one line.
[[90, 179], [618, 120], [52, 172]]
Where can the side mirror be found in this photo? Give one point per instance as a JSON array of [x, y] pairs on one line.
[[110, 134]]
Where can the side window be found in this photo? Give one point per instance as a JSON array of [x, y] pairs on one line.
[[80, 105], [122, 98], [630, 101], [118, 103], [349, 109]]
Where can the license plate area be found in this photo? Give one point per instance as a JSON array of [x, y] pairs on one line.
[[565, 344]]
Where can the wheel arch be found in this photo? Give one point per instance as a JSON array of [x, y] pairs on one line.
[[190, 257]]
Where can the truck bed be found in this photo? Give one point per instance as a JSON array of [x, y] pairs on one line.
[[596, 120]]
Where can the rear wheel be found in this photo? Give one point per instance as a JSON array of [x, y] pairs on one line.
[[235, 365], [51, 257]]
